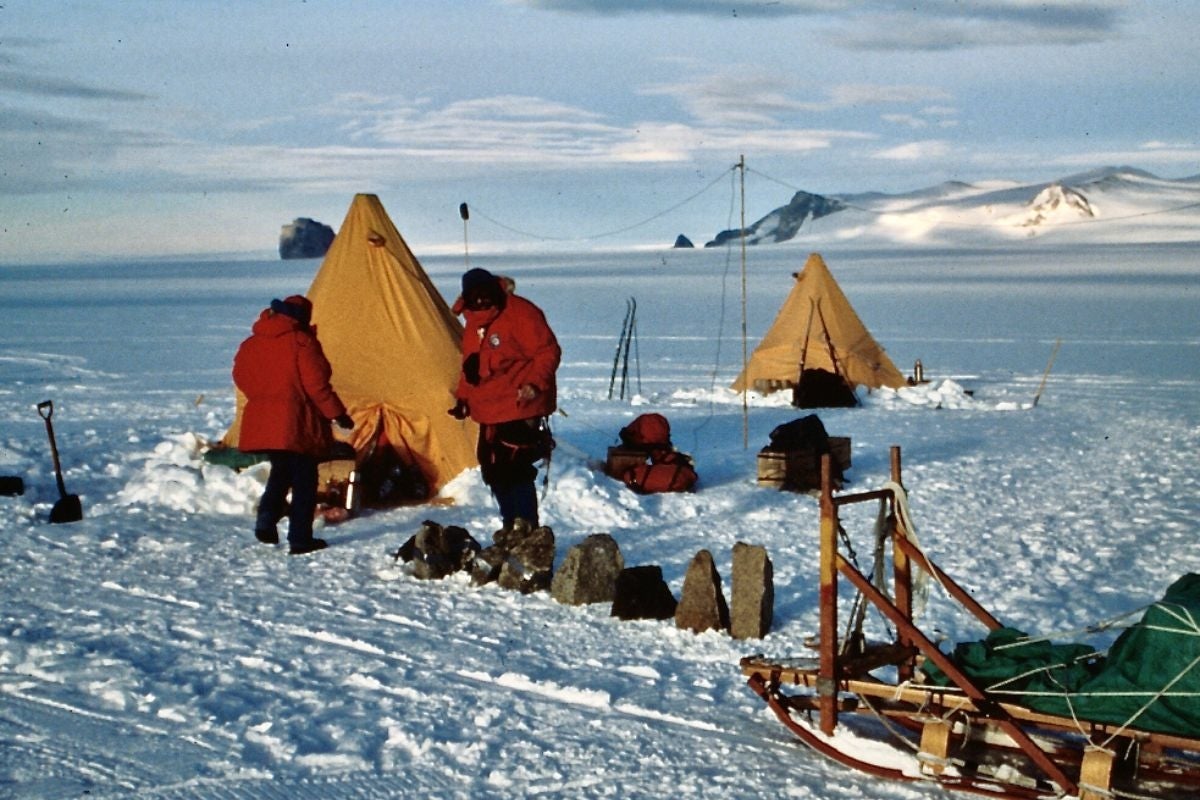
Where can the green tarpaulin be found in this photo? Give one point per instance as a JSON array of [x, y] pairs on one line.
[[1150, 679]]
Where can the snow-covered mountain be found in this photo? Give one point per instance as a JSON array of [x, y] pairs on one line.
[[1107, 205]]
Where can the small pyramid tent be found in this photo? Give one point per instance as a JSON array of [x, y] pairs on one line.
[[817, 329], [393, 344]]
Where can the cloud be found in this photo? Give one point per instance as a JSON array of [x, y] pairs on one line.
[[513, 130], [742, 97], [914, 151], [44, 86], [750, 98], [723, 8], [907, 120], [951, 25], [896, 25]]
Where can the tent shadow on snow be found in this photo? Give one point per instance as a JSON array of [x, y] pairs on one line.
[[394, 346]]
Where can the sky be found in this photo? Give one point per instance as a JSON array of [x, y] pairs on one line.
[[161, 127]]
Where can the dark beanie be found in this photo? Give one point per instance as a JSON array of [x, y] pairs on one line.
[[473, 280], [297, 307]]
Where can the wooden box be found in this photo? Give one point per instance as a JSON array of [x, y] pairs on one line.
[[622, 458], [800, 470]]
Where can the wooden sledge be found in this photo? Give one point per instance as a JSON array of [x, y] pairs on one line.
[[958, 736]]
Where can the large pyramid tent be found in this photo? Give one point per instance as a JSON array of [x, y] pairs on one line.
[[393, 344], [817, 329]]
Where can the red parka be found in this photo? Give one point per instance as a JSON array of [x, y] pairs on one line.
[[515, 347], [283, 372]]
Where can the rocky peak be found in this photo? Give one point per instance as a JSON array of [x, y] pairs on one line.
[[1057, 201]]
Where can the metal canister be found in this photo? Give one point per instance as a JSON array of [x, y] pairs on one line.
[[353, 492]]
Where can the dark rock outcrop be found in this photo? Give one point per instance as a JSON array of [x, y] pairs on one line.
[[683, 241], [435, 551], [521, 558], [783, 223], [304, 238]]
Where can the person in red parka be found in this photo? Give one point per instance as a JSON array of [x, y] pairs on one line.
[[284, 375], [507, 385]]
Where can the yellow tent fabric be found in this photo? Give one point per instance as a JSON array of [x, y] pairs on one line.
[[818, 313], [393, 344]]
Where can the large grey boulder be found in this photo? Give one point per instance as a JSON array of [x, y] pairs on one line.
[[641, 593], [589, 572], [702, 604], [753, 592]]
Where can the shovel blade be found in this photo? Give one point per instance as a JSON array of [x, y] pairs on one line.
[[68, 509]]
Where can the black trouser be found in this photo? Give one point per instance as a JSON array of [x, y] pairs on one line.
[[297, 472], [507, 453]]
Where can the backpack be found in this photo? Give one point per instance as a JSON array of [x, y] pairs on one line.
[[648, 431], [800, 434], [665, 469], [667, 472]]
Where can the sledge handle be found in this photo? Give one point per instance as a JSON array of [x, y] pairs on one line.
[[46, 411]]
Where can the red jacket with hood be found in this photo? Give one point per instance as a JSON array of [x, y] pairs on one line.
[[283, 372], [515, 347]]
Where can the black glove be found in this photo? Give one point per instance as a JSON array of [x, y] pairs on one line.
[[344, 422], [460, 410], [470, 369]]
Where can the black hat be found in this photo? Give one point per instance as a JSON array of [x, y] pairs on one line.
[[482, 289], [475, 279], [297, 307]]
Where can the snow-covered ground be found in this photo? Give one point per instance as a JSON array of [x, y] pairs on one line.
[[154, 649]]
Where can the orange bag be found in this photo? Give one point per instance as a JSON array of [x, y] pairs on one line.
[[668, 471]]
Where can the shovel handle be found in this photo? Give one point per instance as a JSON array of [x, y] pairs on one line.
[[46, 411]]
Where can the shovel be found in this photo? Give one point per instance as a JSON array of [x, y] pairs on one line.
[[68, 507]]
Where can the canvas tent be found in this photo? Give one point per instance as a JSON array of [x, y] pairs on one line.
[[393, 344], [817, 329]]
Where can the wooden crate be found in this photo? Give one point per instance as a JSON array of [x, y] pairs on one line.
[[800, 470], [622, 458]]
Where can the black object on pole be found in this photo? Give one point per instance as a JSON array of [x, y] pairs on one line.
[[68, 508], [465, 213]]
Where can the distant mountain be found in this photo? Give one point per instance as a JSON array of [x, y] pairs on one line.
[[1107, 205], [304, 238]]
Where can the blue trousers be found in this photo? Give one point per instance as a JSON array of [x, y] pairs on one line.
[[298, 473], [507, 453]]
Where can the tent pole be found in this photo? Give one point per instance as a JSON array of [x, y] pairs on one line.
[[745, 357], [807, 336]]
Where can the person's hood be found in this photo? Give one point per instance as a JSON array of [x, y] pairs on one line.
[[270, 323]]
